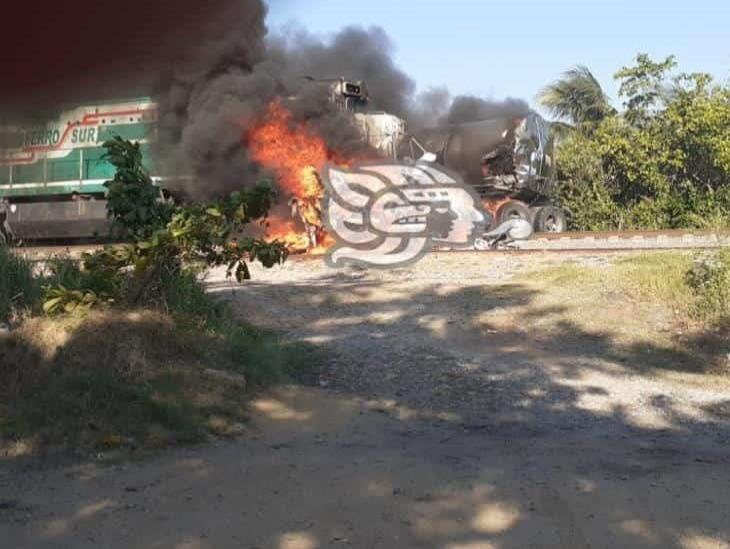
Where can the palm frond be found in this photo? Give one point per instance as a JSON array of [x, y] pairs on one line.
[[576, 97]]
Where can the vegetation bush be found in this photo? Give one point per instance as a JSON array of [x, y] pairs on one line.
[[709, 279], [118, 377], [135, 378], [120, 360], [661, 162], [108, 379], [73, 275], [19, 289], [134, 202], [696, 287]]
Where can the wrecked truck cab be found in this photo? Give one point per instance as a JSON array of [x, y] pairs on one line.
[[508, 160]]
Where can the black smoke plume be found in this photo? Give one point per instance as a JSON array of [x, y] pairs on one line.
[[208, 104], [213, 69], [467, 108], [208, 98], [430, 108], [56, 54]]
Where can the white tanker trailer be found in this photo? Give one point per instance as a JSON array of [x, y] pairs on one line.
[[508, 160]]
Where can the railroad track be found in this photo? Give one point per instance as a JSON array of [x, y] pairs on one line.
[[604, 241], [607, 241], [627, 240]]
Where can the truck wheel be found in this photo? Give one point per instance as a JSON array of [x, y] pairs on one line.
[[550, 219], [513, 210]]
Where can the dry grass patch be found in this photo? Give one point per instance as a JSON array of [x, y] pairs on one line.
[[127, 379], [639, 310]]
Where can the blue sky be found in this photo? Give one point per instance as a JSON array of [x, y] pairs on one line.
[[500, 49]]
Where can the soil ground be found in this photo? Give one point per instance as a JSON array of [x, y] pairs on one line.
[[465, 403]]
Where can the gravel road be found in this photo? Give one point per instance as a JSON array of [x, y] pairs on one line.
[[449, 413]]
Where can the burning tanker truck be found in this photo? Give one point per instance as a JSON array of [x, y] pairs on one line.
[[52, 177], [508, 160]]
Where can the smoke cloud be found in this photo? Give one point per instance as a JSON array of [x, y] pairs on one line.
[[210, 102], [58, 55], [435, 107], [429, 108], [208, 97], [467, 108], [214, 69]]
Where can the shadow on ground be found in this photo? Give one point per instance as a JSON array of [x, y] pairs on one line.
[[581, 419], [437, 428]]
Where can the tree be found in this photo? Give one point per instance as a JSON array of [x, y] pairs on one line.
[[644, 86], [664, 162], [576, 98], [167, 239], [133, 200]]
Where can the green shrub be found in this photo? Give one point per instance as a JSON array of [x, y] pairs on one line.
[[134, 202], [702, 208], [69, 286], [18, 288], [59, 299], [73, 275], [183, 294], [110, 376], [709, 279], [664, 162]]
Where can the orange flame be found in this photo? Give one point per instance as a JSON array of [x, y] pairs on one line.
[[287, 148], [294, 153]]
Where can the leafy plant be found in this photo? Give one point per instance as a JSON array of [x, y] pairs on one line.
[[662, 163], [134, 202], [62, 300], [134, 395], [76, 275], [709, 278], [169, 239], [19, 289]]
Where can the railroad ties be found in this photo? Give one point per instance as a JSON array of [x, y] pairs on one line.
[[627, 240]]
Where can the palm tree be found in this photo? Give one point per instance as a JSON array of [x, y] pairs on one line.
[[576, 98]]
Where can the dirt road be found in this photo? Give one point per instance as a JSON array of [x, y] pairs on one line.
[[461, 406]]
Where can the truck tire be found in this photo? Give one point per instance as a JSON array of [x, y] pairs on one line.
[[511, 210], [550, 219]]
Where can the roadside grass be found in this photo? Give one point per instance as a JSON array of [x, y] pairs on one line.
[[657, 277], [105, 380], [709, 279], [568, 273], [114, 378], [696, 286], [134, 379], [263, 356], [662, 277], [19, 289], [676, 303]]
